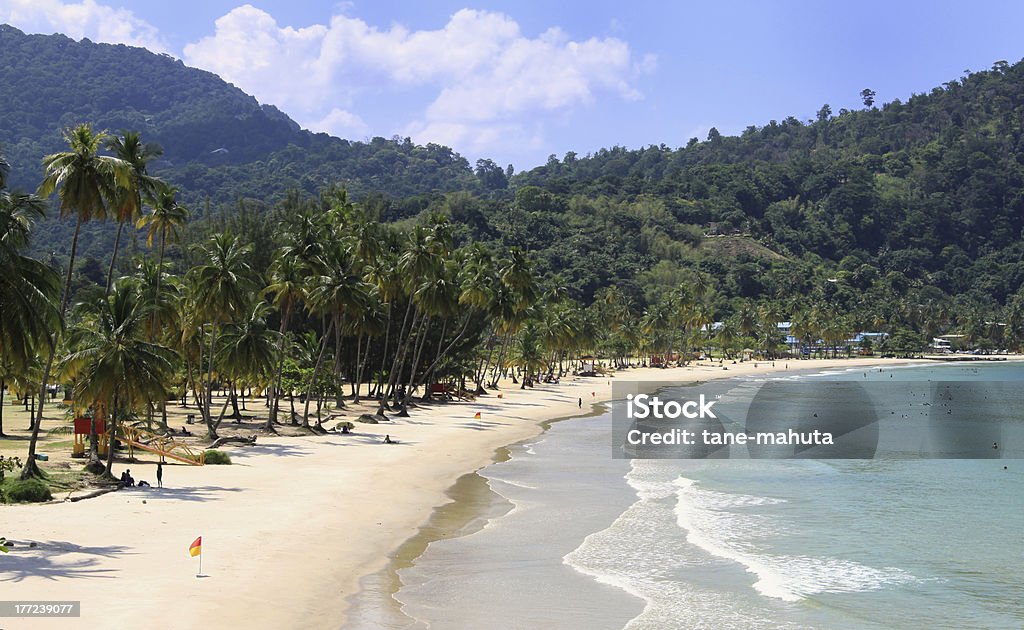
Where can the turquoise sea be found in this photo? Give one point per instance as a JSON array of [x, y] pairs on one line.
[[577, 539]]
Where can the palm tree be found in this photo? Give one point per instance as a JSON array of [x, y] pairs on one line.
[[28, 288], [418, 261], [112, 364], [85, 182], [127, 206], [223, 288], [166, 219], [161, 293], [337, 291], [28, 291], [726, 337], [247, 351], [287, 288], [657, 323]]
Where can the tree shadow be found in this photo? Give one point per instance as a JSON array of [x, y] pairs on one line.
[[379, 439], [280, 450], [188, 493], [481, 425], [48, 560]]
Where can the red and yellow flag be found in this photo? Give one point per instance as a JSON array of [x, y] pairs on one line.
[[477, 416], [196, 547]]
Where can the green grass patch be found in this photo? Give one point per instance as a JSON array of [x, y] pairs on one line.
[[28, 491], [217, 458]]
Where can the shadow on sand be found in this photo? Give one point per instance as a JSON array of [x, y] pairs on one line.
[[190, 493], [48, 560]]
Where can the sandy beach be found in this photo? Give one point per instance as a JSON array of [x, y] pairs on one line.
[[293, 525]]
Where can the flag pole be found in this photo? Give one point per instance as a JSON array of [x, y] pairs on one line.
[[200, 564]]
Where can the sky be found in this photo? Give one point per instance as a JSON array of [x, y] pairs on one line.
[[518, 81]]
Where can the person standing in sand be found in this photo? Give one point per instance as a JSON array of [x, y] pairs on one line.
[[581, 403], [160, 474]]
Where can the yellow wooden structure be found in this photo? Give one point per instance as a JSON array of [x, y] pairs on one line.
[[162, 445], [134, 437]]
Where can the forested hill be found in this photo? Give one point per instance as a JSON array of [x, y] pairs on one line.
[[916, 204], [219, 142], [931, 188]]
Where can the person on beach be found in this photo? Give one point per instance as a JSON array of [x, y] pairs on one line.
[[387, 439], [159, 474], [581, 403]]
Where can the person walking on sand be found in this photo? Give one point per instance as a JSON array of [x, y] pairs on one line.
[[581, 403], [159, 474]]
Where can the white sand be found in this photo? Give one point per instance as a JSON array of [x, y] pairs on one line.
[[291, 527]]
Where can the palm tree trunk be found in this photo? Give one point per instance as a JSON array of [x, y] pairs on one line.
[[211, 430], [224, 408], [360, 365], [113, 257], [384, 354], [403, 352], [94, 444], [339, 393], [441, 354], [236, 413], [112, 434], [159, 276], [429, 373], [356, 366], [31, 469], [392, 375], [276, 393], [316, 372], [424, 327], [501, 359], [483, 368]]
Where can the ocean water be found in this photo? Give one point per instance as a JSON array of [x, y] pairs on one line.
[[587, 541]]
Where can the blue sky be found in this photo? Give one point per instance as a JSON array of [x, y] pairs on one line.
[[517, 81]]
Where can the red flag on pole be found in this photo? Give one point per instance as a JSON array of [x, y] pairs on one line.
[[196, 549]]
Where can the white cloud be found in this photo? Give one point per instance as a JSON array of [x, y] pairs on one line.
[[341, 123], [484, 78], [98, 22], [478, 138], [477, 84]]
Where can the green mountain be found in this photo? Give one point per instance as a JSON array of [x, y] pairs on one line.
[[931, 189], [219, 143], [908, 211]]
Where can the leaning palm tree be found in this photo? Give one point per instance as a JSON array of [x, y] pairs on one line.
[[112, 364], [127, 206], [85, 183]]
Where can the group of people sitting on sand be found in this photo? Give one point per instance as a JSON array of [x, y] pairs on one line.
[[128, 481]]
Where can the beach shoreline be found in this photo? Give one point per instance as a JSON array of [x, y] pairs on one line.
[[452, 520], [294, 526]]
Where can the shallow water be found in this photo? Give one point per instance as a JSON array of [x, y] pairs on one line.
[[575, 539]]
